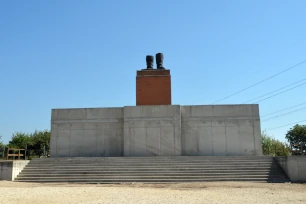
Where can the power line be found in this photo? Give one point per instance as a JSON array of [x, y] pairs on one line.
[[285, 70], [284, 109], [286, 125], [274, 91], [283, 114], [280, 92]]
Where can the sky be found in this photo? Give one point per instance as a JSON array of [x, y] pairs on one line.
[[79, 54]]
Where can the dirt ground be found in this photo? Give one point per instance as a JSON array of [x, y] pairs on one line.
[[214, 192]]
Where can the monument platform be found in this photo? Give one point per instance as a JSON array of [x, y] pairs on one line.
[[162, 130]]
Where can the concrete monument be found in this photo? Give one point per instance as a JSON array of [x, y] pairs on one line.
[[155, 127]]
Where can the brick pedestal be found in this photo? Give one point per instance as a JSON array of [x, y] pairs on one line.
[[153, 87]]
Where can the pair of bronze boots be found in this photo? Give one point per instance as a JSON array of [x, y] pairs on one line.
[[159, 61]]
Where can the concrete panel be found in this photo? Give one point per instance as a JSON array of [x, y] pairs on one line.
[[257, 137], [77, 126], [89, 143], [63, 143], [161, 111], [232, 141], [76, 142], [301, 162], [205, 147], [151, 128], [53, 140], [177, 140], [246, 137], [190, 141], [62, 114], [120, 145], [6, 170], [232, 110], [219, 140], [255, 110], [53, 114], [102, 141], [140, 142], [79, 113], [9, 170], [153, 141], [167, 144], [127, 140], [204, 123], [64, 126], [138, 131], [185, 112], [104, 113], [294, 167], [201, 111], [18, 167]]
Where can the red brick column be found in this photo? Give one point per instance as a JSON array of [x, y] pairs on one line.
[[153, 87]]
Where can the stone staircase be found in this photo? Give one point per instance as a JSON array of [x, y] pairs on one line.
[[153, 169]]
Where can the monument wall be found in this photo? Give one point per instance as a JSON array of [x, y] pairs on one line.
[[163, 130], [87, 132], [221, 130], [152, 130]]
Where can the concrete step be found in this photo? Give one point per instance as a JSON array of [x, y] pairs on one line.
[[157, 158], [150, 174], [152, 169], [148, 159], [126, 168], [76, 171], [140, 162], [171, 180], [199, 165], [142, 159]]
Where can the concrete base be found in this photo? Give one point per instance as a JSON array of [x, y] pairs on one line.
[[9, 170], [294, 166], [163, 130], [152, 131]]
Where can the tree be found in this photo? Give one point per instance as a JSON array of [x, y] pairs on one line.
[[273, 147], [297, 138], [19, 140], [35, 142], [41, 140]]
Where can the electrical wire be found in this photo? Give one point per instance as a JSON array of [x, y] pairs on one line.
[[280, 93], [266, 79], [286, 125], [283, 109], [274, 91], [283, 114]]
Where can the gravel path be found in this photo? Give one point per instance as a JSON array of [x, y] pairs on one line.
[[221, 192]]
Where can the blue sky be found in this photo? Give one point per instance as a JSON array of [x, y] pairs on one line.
[[74, 54]]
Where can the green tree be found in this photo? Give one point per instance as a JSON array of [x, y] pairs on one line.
[[41, 140], [273, 147], [35, 142], [19, 140], [297, 138]]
